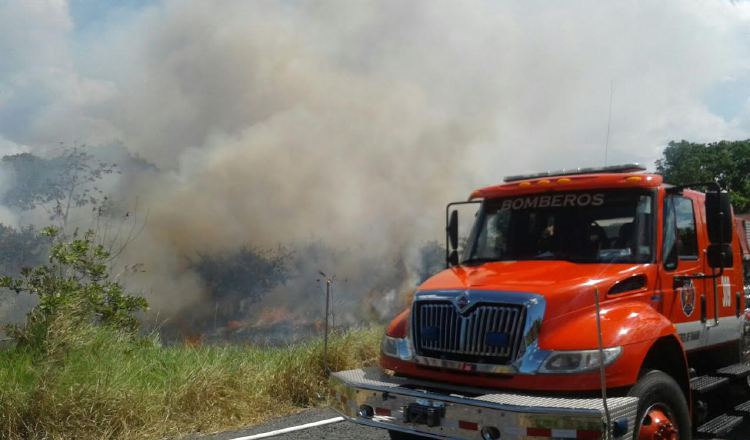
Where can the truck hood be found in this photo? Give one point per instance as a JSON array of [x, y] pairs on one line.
[[566, 286]]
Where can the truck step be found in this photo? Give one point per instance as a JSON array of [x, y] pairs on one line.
[[704, 384], [743, 407], [720, 425], [735, 371]]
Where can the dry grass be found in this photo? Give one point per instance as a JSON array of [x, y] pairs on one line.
[[99, 384]]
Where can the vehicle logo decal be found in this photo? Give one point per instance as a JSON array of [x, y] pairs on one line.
[[462, 302], [687, 297]]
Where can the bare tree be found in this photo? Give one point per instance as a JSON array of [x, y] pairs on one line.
[[57, 184]]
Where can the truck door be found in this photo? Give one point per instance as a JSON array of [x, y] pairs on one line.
[[686, 301]]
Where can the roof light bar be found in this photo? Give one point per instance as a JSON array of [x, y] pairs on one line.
[[624, 168]]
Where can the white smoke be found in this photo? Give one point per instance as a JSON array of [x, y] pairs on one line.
[[354, 122]]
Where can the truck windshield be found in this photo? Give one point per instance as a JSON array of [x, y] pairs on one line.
[[613, 226]]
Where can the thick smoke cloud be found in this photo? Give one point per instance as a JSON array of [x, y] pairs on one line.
[[354, 122]]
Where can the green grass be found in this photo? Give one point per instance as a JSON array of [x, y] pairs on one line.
[[99, 384]]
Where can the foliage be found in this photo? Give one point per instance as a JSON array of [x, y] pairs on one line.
[[22, 247], [76, 284], [58, 183], [113, 387], [727, 162]]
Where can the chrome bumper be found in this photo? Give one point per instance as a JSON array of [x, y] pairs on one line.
[[371, 397]]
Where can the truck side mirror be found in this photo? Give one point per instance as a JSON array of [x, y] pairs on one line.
[[453, 230], [718, 217]]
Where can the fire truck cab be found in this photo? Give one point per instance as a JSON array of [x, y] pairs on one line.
[[585, 304]]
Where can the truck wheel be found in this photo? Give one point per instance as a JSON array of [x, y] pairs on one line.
[[398, 435], [662, 409]]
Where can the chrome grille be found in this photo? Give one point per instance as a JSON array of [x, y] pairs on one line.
[[484, 333]]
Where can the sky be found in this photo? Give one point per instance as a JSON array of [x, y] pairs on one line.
[[73, 71], [355, 122]]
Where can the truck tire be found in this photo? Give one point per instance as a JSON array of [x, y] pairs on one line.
[[398, 435], [662, 409]]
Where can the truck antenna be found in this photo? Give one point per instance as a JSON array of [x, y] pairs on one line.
[[609, 120]]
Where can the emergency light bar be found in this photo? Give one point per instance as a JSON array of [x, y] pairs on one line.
[[624, 168]]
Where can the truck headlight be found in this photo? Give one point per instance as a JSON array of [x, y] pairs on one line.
[[578, 361], [396, 347]]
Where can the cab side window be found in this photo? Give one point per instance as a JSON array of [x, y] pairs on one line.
[[687, 240], [680, 239]]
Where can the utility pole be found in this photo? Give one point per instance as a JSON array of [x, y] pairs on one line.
[[329, 285]]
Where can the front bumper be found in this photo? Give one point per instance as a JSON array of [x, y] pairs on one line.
[[372, 397]]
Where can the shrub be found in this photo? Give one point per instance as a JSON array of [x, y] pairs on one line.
[[74, 288]]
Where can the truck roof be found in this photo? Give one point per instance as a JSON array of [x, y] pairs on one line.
[[569, 182]]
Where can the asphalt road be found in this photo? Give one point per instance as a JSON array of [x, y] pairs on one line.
[[336, 431], [346, 430]]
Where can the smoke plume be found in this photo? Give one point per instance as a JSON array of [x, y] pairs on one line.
[[352, 123]]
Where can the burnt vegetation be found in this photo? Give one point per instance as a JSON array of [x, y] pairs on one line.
[[235, 281]]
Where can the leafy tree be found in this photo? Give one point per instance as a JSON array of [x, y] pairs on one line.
[[726, 162], [75, 285], [58, 183]]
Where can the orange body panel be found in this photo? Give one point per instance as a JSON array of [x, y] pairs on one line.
[[566, 286]]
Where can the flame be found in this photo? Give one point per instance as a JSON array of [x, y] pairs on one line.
[[235, 325], [193, 340], [275, 315]]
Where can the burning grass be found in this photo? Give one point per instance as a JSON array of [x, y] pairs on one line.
[[99, 384]]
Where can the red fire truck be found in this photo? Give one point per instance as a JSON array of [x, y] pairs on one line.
[[585, 304]]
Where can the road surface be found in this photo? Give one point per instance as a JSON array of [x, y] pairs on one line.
[[336, 431]]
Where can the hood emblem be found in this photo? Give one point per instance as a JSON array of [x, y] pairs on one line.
[[463, 302]]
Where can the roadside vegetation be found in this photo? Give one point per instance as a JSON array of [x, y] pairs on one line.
[[79, 367], [109, 385]]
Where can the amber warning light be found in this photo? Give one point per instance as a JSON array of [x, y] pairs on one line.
[[624, 168]]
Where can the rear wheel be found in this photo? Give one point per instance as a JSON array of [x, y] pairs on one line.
[[662, 409]]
